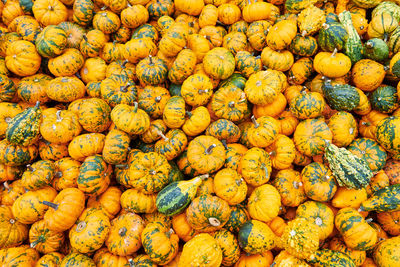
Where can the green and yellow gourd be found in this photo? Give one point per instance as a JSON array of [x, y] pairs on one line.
[[305, 46], [387, 7], [385, 199], [332, 35], [296, 6], [353, 47], [23, 129], [51, 41], [256, 237], [376, 49], [341, 96], [384, 99], [176, 196], [330, 258], [349, 170]]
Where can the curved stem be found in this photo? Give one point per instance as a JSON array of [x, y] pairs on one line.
[[50, 204], [256, 124], [166, 139], [58, 116], [135, 106], [188, 113], [231, 104], [150, 60], [210, 148], [122, 231], [124, 88], [29, 167], [169, 232], [123, 65], [334, 52], [6, 186]]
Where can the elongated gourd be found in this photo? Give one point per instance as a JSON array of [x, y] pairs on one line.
[[353, 47], [176, 196]]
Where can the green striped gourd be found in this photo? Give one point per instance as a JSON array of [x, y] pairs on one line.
[[341, 96], [385, 199], [353, 47], [348, 169], [332, 35], [23, 129], [376, 49], [176, 196], [390, 8]]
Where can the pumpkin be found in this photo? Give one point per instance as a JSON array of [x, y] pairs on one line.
[[281, 61], [51, 41], [12, 192], [387, 136], [44, 240], [207, 213], [332, 35], [256, 237], [60, 127], [93, 70], [211, 253], [246, 259], [230, 186], [49, 12], [391, 169], [32, 88], [310, 20], [389, 222], [299, 239], [86, 145], [285, 258], [22, 58], [182, 227], [13, 233], [136, 201], [65, 89], [103, 257], [66, 64], [229, 246], [356, 232], [311, 135], [92, 43], [219, 63], [384, 99], [65, 209], [23, 129], [367, 74], [300, 71], [198, 120], [370, 151], [385, 199], [257, 34], [281, 34], [330, 258], [381, 26], [116, 146], [377, 49], [263, 87], [346, 197], [319, 183], [357, 256], [196, 90], [256, 205], [368, 123], [7, 112], [174, 39], [378, 181], [51, 259], [108, 202], [332, 65], [307, 105], [385, 251], [38, 175], [67, 171], [260, 11], [18, 256], [255, 166], [131, 120], [304, 46], [15, 155], [159, 234], [151, 70], [290, 187], [74, 33], [10, 173], [343, 127], [94, 175], [320, 215]]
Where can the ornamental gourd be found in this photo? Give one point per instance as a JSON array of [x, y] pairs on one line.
[[256, 237], [341, 96], [210, 253], [332, 65], [131, 120], [385, 199]]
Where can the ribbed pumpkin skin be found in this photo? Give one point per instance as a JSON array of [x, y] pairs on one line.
[[90, 231], [23, 129], [386, 253], [209, 255], [341, 96], [15, 155], [319, 183], [388, 135], [75, 259], [331, 258], [332, 35], [384, 99], [357, 256], [18, 256], [12, 232], [83, 12], [176, 196], [51, 259], [370, 151], [385, 199], [239, 215], [305, 46], [256, 237], [229, 246], [356, 232], [94, 175], [44, 240], [7, 88], [40, 174], [116, 146], [51, 41]]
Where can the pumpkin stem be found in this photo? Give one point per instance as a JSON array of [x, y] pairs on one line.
[[157, 99], [231, 104], [334, 52], [386, 68], [224, 143], [123, 65], [214, 221], [8, 120], [201, 91], [150, 60], [135, 106], [318, 221], [242, 98], [50, 204], [385, 37], [210, 148], [369, 44], [131, 263], [188, 113], [30, 168], [166, 139], [296, 184], [58, 116], [12, 221], [58, 174], [81, 225], [34, 244], [256, 124], [266, 171], [6, 186], [124, 88], [220, 23], [203, 176], [169, 232], [303, 33], [122, 231], [325, 26], [84, 37], [369, 220]]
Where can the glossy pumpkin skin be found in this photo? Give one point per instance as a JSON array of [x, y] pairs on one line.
[[86, 145], [66, 174], [90, 231], [256, 205], [22, 58], [326, 257], [307, 105], [13, 232], [10, 173], [15, 189], [116, 146], [385, 251], [39, 174], [210, 255], [281, 34], [131, 120], [172, 145], [290, 187], [357, 256], [368, 74], [33, 88], [319, 183], [65, 89], [196, 90], [18, 256], [94, 175], [264, 131], [357, 234], [332, 66], [255, 166], [28, 208], [66, 64], [234, 153], [224, 130], [343, 127], [108, 202], [230, 186], [219, 63], [44, 240], [198, 120], [103, 257], [387, 135], [207, 213], [136, 201], [384, 99], [153, 99], [256, 237], [70, 204], [310, 137], [14, 155], [182, 228], [370, 151], [51, 259], [51, 41], [174, 112], [159, 244]]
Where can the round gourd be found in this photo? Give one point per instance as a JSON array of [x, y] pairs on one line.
[[209, 255], [256, 237], [332, 65], [388, 135]]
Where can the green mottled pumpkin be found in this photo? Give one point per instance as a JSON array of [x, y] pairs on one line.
[[83, 12], [23, 129], [341, 96], [384, 99], [318, 181], [295, 6], [94, 175], [331, 258], [387, 252], [15, 155], [7, 88], [229, 246], [256, 237], [75, 259], [388, 135], [370, 151], [385, 199], [332, 35], [151, 70], [305, 46], [307, 105], [238, 217], [235, 79], [51, 41]]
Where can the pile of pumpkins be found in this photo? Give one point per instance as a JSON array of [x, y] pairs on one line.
[[200, 133]]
